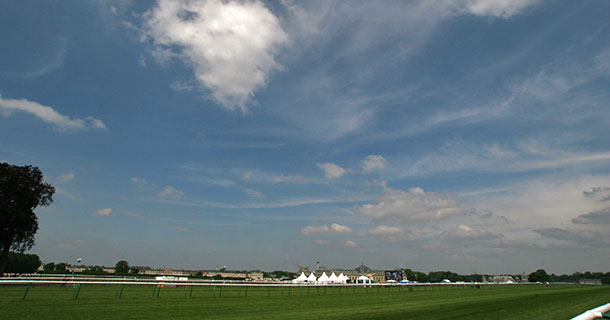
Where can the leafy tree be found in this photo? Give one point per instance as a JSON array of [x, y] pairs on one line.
[[49, 267], [61, 267], [22, 263], [21, 191], [121, 267], [539, 275], [134, 270]]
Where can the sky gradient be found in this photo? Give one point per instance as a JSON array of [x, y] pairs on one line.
[[468, 135]]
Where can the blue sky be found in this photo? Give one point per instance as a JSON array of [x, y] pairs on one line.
[[437, 135]]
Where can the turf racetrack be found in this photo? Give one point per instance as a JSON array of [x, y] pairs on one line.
[[137, 302]]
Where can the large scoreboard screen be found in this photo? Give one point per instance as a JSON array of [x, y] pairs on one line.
[[395, 275]]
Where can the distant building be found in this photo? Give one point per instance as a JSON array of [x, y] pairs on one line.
[[500, 278], [590, 281], [255, 275]]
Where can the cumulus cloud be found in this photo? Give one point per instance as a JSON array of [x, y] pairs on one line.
[[333, 228], [385, 230], [373, 162], [229, 44], [48, 115], [350, 244], [171, 192], [104, 212], [498, 8], [466, 233], [65, 177], [331, 170], [412, 205], [594, 217]]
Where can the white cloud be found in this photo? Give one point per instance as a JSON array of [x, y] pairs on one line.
[[171, 192], [467, 233], [254, 194], [331, 170], [373, 162], [65, 177], [322, 242], [230, 44], [350, 244], [519, 156], [498, 8], [48, 115], [333, 228], [138, 180], [412, 205], [385, 230], [104, 212], [273, 178]]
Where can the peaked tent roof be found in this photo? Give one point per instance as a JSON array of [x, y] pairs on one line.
[[333, 278], [311, 278], [302, 277], [323, 277]]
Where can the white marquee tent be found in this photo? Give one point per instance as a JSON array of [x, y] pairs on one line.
[[301, 279], [323, 278], [333, 278], [311, 278], [363, 279]]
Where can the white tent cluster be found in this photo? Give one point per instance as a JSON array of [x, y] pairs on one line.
[[323, 279]]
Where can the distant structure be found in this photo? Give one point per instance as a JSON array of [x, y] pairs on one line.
[[501, 279], [590, 281], [353, 274]]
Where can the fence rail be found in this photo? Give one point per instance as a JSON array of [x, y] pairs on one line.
[[596, 313]]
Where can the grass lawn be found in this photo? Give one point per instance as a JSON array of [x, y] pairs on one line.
[[137, 302]]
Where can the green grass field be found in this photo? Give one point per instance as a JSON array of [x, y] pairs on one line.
[[137, 302]]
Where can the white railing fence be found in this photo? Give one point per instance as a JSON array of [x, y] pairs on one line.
[[596, 313]]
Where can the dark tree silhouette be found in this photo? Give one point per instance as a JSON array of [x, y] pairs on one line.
[[539, 275], [21, 191], [121, 267]]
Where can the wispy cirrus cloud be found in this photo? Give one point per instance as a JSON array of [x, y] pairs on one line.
[[519, 156], [171, 192], [229, 44], [48, 115], [65, 177]]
